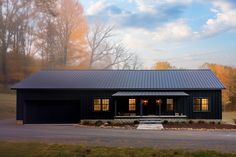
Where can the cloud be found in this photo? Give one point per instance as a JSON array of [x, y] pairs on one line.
[[97, 7], [174, 31], [146, 15], [153, 18], [224, 20]]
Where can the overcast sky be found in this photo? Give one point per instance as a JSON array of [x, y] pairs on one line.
[[187, 33]]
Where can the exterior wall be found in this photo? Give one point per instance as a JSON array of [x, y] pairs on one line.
[[183, 104], [215, 104]]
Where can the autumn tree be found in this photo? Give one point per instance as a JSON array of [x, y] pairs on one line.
[[163, 65], [227, 76], [62, 35], [15, 32]]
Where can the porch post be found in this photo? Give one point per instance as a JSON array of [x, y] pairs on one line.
[[115, 107], [141, 107], [159, 109]]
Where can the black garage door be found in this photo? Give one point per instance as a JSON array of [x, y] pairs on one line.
[[51, 111]]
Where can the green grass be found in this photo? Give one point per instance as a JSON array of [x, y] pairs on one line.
[[29, 149], [7, 105]]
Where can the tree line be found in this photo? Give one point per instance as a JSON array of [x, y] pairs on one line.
[[54, 34], [226, 74]]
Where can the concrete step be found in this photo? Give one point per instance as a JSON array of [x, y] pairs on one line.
[[150, 127], [150, 121]]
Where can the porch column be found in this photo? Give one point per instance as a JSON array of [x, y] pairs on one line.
[[115, 107], [141, 108]]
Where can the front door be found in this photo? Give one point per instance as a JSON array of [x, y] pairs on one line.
[[149, 107]]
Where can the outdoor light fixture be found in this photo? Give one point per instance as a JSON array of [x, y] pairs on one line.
[[158, 102], [145, 102]]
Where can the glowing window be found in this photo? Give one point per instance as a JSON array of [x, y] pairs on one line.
[[204, 104], [200, 104], [132, 104], [105, 104], [197, 104], [97, 104]]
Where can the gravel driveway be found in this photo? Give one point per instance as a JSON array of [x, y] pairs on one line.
[[215, 140]]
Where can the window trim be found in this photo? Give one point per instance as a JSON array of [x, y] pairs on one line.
[[101, 104], [201, 111]]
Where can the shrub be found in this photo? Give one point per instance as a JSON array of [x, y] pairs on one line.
[[212, 122], [219, 123], [109, 123], [201, 122], [85, 123], [234, 121], [98, 123], [190, 122], [136, 122], [165, 122]]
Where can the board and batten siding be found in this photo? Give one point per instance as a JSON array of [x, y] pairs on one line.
[[85, 98]]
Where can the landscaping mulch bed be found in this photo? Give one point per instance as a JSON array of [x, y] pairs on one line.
[[198, 126]]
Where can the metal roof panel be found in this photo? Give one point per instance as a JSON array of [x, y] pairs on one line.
[[122, 79]]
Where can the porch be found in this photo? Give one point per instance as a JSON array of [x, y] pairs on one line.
[[150, 105]]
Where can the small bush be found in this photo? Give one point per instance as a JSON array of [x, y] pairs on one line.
[[98, 123], [190, 122], [212, 122], [165, 122], [109, 123], [136, 122], [219, 123], [85, 123], [201, 122], [234, 121]]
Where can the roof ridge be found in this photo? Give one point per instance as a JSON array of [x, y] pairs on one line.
[[130, 70]]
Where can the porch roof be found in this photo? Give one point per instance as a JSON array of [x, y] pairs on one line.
[[140, 93]]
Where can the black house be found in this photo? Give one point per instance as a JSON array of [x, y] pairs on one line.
[[71, 96]]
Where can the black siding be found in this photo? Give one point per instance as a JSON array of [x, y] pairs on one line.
[[183, 104]]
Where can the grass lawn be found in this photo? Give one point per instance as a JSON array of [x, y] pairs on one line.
[[229, 116], [28, 149], [7, 105]]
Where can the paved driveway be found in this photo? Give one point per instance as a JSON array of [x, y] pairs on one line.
[[216, 140]]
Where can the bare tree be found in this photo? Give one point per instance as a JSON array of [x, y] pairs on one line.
[[106, 53], [14, 27]]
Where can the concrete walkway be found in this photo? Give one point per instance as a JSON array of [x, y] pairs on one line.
[[150, 127]]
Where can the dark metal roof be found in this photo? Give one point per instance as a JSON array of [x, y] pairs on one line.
[[128, 93], [122, 79]]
